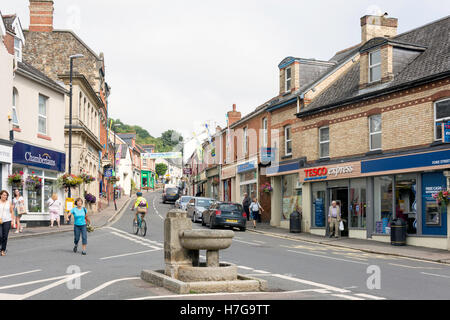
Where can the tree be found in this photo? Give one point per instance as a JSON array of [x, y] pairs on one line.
[[161, 169]]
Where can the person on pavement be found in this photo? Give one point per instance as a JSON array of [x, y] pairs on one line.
[[334, 218], [6, 216], [255, 207], [54, 207], [18, 207], [80, 218], [142, 205], [246, 205]]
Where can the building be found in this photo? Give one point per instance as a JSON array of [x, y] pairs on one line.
[[48, 50], [148, 173], [124, 164], [135, 152]]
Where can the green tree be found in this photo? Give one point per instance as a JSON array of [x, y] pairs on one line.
[[161, 169]]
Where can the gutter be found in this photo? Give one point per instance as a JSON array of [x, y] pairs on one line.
[[33, 77]]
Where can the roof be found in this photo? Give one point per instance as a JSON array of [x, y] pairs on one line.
[[127, 135], [31, 72], [8, 20], [431, 40]]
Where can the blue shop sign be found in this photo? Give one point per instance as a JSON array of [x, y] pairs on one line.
[[447, 132], [437, 158], [249, 166], [108, 173], [39, 157]]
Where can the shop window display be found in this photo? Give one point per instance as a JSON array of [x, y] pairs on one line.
[[291, 196], [358, 204], [405, 200], [382, 203]]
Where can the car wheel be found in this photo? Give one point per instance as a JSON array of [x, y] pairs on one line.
[[194, 218], [242, 229]]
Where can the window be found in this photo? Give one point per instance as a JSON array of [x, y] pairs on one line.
[[265, 132], [324, 142], [15, 118], [441, 113], [42, 127], [375, 132], [18, 49], [245, 144], [358, 203], [383, 212], [288, 80], [375, 66], [287, 141]]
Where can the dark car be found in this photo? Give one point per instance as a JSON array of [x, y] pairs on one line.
[[170, 195], [225, 214]]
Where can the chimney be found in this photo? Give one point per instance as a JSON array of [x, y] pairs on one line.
[[378, 26], [41, 16], [233, 116]]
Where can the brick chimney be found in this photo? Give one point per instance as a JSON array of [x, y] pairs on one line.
[[233, 116], [378, 26], [41, 16]]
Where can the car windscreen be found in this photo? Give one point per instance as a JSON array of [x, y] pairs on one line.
[[204, 203], [230, 207], [172, 190], [185, 199]]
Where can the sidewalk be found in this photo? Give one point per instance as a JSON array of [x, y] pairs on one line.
[[371, 246], [98, 220]]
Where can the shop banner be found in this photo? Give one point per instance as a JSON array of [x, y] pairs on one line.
[[331, 172], [38, 157], [164, 155], [246, 167], [108, 173]]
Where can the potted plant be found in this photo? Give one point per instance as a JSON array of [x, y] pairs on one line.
[[87, 178], [266, 187], [215, 181], [16, 179], [33, 182], [90, 198], [442, 198]]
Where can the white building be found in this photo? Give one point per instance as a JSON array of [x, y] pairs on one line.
[[174, 170], [124, 164]]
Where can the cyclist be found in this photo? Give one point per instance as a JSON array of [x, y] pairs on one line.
[[142, 205]]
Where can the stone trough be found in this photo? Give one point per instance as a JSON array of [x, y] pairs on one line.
[[185, 273]]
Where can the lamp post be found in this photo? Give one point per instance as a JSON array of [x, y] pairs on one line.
[[70, 115], [115, 181]]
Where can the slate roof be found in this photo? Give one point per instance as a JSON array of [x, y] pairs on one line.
[[434, 60], [35, 73], [8, 20]]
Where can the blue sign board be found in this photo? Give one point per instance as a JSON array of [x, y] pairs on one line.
[[284, 168], [249, 166], [434, 217], [38, 157], [429, 159], [108, 173], [267, 155], [319, 212], [447, 132]]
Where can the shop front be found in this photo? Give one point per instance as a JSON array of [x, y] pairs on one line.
[[147, 180], [47, 165], [228, 180], [372, 193], [213, 183], [6, 151], [248, 180]]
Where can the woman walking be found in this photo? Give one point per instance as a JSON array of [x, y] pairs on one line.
[[54, 207], [254, 208], [6, 216], [80, 218], [19, 209]]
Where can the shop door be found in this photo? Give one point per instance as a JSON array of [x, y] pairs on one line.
[[340, 195]]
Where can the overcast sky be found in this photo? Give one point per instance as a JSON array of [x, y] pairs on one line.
[[176, 64]]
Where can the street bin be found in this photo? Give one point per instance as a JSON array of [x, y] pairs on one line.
[[398, 232], [295, 222]]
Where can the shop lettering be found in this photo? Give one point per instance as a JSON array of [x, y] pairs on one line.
[[46, 161], [316, 172], [340, 170]]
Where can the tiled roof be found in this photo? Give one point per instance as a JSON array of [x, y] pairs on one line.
[[22, 66], [434, 60], [8, 20]]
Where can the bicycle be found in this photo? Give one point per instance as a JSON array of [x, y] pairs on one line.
[[140, 226]]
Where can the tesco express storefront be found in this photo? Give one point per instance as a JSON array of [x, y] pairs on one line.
[[373, 192]]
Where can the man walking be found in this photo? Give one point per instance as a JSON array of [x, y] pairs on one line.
[[246, 205], [334, 217]]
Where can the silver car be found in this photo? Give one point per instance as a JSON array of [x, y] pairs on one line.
[[196, 206], [182, 202]]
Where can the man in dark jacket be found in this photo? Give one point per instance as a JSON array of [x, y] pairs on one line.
[[246, 205]]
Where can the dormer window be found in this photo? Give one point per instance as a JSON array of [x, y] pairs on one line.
[[18, 49], [375, 66], [288, 80]]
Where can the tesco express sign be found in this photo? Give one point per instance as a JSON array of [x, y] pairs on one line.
[[324, 172]]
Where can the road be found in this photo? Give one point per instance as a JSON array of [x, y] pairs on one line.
[[46, 268]]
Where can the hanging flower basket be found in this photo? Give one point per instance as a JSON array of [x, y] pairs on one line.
[[16, 179], [87, 178], [33, 182], [90, 199], [442, 198], [267, 188], [69, 181]]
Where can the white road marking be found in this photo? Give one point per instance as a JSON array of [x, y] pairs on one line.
[[436, 275], [19, 274], [250, 243], [245, 268], [7, 296], [261, 271], [259, 241], [130, 254], [411, 267], [135, 240], [321, 256], [346, 297], [363, 295], [106, 284], [320, 285], [31, 282]]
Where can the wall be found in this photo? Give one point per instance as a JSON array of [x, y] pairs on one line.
[[6, 79]]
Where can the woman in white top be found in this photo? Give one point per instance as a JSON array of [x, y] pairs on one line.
[[6, 216], [18, 201], [54, 207], [255, 207]]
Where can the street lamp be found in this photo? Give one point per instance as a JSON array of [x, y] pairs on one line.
[[115, 181], [76, 56]]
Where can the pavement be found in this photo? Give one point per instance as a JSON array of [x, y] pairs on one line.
[[370, 246], [98, 220]]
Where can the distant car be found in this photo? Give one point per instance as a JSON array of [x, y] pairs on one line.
[[170, 195], [196, 206], [182, 202], [225, 214]]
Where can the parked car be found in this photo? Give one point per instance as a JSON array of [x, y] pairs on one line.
[[170, 195], [182, 202], [225, 214], [196, 206]]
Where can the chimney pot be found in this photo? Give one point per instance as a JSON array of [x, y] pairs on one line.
[[41, 15]]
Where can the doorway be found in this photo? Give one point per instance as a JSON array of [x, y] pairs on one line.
[[340, 195]]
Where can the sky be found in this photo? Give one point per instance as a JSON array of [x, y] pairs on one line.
[[179, 64]]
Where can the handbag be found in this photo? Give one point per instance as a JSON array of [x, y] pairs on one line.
[[341, 226], [22, 209]]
